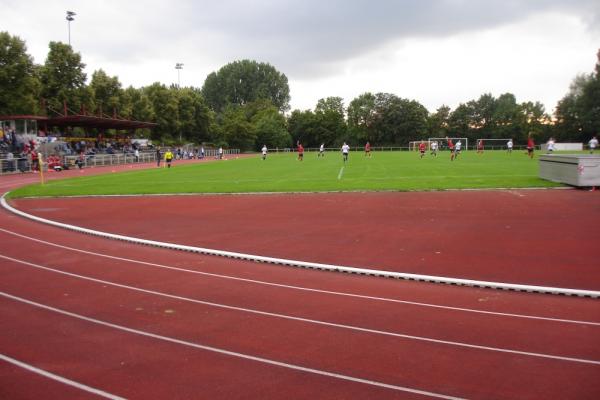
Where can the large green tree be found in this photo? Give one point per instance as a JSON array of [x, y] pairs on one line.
[[270, 129], [578, 113], [237, 131], [303, 127], [506, 117], [332, 128], [63, 79], [398, 120], [438, 122], [107, 92], [166, 111], [245, 81], [361, 118], [19, 82], [195, 118]]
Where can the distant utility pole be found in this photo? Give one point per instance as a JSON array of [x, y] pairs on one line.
[[70, 15], [178, 67]]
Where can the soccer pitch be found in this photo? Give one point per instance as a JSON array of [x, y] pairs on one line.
[[282, 172]]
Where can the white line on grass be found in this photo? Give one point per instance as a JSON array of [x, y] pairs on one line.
[[59, 378], [228, 352], [341, 173], [306, 320], [334, 293]]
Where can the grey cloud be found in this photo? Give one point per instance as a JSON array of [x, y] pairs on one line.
[[305, 37], [302, 38]]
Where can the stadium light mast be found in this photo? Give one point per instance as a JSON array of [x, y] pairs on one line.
[[178, 67], [70, 15]]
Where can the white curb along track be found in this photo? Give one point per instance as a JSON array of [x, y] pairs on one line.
[[311, 265]]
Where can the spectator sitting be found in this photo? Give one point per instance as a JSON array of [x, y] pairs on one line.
[[54, 163], [80, 160]]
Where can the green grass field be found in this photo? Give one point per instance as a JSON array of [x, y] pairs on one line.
[[281, 172]]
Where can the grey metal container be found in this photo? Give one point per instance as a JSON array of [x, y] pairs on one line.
[[572, 169]]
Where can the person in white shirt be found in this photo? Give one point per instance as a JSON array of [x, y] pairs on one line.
[[345, 150], [550, 145], [321, 150], [457, 147], [509, 146], [136, 154], [220, 153], [434, 147], [264, 152], [593, 143]]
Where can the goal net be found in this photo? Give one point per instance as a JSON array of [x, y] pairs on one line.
[[492, 144], [443, 142], [414, 145]]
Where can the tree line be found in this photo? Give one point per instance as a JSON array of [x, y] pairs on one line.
[[245, 104]]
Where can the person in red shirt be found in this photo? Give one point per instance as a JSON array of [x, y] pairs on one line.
[[35, 162], [422, 148], [451, 148], [300, 152], [530, 146], [480, 146], [368, 149]]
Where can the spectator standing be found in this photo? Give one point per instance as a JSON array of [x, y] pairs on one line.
[[593, 143], [35, 162], [10, 161], [158, 156]]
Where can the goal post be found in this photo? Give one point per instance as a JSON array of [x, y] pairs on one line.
[[492, 144], [443, 142], [414, 145]]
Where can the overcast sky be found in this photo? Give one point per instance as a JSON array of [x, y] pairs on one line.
[[434, 51]]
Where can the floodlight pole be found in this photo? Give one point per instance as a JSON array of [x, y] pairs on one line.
[[178, 67], [70, 15]]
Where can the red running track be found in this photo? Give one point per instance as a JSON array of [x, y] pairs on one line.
[[382, 338], [532, 237]]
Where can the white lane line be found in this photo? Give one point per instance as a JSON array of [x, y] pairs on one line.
[[228, 352], [344, 294], [60, 379], [307, 320], [341, 173]]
